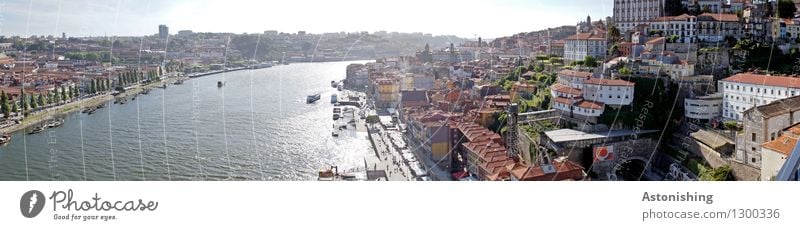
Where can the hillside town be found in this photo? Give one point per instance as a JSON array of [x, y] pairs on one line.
[[660, 90]]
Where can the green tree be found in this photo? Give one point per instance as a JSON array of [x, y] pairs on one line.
[[614, 34], [108, 84], [63, 93], [14, 107], [32, 99], [590, 61], [57, 96], [22, 100], [93, 88], [41, 100], [4, 105]]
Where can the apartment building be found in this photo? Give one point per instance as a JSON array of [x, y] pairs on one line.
[[747, 90]]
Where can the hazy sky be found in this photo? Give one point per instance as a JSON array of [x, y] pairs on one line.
[[465, 18]]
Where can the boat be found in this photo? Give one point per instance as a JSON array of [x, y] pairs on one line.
[[220, 84], [164, 86], [5, 139], [55, 123], [178, 82], [35, 130], [146, 91], [335, 134], [87, 110], [334, 98], [336, 116], [133, 98], [91, 111], [312, 98], [100, 106]]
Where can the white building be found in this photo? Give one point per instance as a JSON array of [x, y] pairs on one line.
[[578, 93], [746, 90], [703, 107], [683, 26], [630, 13], [713, 27], [577, 47]]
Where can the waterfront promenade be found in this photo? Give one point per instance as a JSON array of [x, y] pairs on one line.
[[386, 157]]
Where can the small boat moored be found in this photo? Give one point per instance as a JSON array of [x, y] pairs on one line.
[[220, 84], [312, 98], [55, 123], [35, 130], [5, 139]]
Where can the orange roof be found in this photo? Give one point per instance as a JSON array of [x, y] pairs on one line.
[[573, 73], [567, 170], [720, 17], [598, 81], [786, 142], [586, 104], [563, 100], [760, 79], [566, 89]]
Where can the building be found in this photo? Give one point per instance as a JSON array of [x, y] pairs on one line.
[[630, 13], [482, 150], [715, 27], [387, 93], [703, 108], [774, 153], [579, 95], [357, 77], [163, 31], [556, 48], [746, 90], [558, 171], [762, 124], [578, 47], [683, 26]]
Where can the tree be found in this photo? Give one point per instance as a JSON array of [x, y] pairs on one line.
[[63, 94], [108, 84], [32, 100], [4, 105], [93, 88], [14, 108], [69, 92], [613, 34], [22, 100], [56, 96], [41, 100], [786, 9], [76, 92], [590, 61]]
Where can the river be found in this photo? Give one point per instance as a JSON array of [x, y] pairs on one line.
[[257, 127]]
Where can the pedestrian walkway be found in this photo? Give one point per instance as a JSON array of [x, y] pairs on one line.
[[387, 158]]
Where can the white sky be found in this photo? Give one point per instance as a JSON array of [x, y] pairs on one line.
[[465, 18]]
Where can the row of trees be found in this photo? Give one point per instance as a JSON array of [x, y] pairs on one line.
[[135, 77], [29, 101]]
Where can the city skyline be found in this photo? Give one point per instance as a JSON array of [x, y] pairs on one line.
[[136, 18]]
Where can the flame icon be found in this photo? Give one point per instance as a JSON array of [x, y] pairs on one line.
[[31, 203]]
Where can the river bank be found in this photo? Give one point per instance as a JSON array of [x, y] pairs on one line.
[[76, 106]]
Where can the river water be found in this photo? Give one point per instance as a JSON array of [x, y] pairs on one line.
[[257, 127]]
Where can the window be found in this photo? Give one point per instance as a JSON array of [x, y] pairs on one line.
[[753, 160], [753, 137]]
